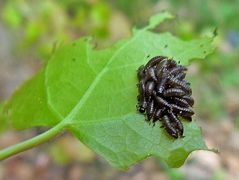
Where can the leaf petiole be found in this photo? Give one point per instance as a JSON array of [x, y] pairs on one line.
[[35, 141]]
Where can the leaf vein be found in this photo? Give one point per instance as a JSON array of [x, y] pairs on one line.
[[83, 99]]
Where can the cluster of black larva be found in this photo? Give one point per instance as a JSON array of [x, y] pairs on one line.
[[164, 94]]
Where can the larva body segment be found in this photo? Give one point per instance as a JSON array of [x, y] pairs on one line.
[[180, 75], [158, 114], [177, 82], [189, 99], [141, 72], [177, 123], [172, 64], [142, 98], [163, 76], [178, 69], [162, 65], [182, 110], [161, 102], [150, 88], [150, 110], [151, 75], [181, 102]]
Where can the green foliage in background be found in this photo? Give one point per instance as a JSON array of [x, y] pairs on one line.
[[39, 24], [93, 93], [3, 118]]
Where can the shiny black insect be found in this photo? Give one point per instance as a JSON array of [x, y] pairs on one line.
[[164, 94]]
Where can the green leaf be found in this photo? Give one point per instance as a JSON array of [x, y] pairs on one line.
[[94, 93]]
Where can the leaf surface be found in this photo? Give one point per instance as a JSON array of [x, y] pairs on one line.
[[28, 106]]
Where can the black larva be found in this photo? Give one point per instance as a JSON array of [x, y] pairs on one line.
[[169, 126], [150, 110], [155, 60], [164, 94], [177, 92]]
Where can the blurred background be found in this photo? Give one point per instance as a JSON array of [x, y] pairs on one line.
[[29, 31]]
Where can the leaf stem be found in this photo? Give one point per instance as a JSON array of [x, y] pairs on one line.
[[28, 144]]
